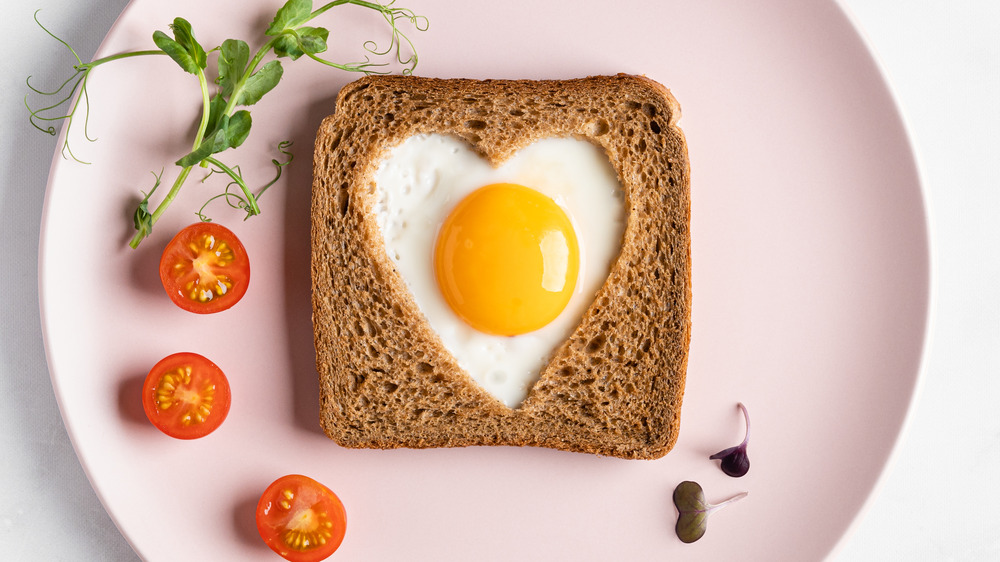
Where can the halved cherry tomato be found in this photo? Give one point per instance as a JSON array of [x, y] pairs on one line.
[[301, 519], [205, 268], [186, 396]]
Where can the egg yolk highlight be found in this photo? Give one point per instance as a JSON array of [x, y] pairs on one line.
[[507, 259]]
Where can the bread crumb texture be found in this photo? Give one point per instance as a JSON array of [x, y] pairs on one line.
[[615, 386]]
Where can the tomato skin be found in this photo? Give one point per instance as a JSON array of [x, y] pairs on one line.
[[301, 519], [205, 268], [186, 396]]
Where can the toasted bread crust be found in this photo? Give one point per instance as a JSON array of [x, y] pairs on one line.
[[615, 387]]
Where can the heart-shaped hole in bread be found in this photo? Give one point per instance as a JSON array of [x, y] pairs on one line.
[[417, 186]]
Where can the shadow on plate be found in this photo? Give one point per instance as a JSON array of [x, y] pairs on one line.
[[130, 400], [144, 261], [245, 522], [298, 271]]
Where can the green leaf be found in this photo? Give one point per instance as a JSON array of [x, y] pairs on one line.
[[293, 14], [238, 129], [142, 218], [692, 520], [218, 139], [215, 142], [260, 83], [215, 108], [185, 36], [233, 58], [183, 48], [230, 133], [312, 40], [197, 155], [287, 46], [176, 52], [693, 510], [294, 44]]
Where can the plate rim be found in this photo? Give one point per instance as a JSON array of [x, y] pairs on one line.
[[930, 292]]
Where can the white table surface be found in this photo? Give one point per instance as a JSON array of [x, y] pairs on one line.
[[940, 497]]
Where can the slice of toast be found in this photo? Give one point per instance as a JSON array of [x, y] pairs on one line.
[[615, 386]]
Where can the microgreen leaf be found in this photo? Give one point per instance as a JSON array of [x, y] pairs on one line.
[[301, 41], [294, 13], [216, 107], [230, 133], [238, 129], [234, 55], [260, 83], [735, 461], [217, 141], [312, 40], [185, 37], [693, 510], [183, 48], [176, 52], [287, 45], [142, 218]]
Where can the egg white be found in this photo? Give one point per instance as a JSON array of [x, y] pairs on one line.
[[420, 182]]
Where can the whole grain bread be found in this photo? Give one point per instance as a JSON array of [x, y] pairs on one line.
[[615, 386]]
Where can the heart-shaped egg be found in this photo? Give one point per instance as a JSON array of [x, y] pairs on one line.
[[559, 194]]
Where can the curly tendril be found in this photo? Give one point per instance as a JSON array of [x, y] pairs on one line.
[[81, 74], [51, 113], [238, 200], [398, 40], [393, 15]]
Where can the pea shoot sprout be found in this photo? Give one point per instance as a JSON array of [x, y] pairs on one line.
[[241, 82]]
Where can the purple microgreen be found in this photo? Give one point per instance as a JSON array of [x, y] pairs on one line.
[[735, 461], [693, 510]]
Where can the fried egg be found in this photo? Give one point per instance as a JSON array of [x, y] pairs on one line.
[[502, 262]]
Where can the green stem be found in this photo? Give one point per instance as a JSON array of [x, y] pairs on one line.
[[362, 3], [206, 102], [252, 207], [174, 190], [348, 67], [182, 177], [120, 56], [326, 7]]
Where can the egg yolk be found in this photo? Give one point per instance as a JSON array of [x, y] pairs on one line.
[[507, 259]]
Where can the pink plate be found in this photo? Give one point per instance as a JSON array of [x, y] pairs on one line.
[[811, 287]]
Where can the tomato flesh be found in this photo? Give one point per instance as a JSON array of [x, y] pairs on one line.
[[205, 268], [301, 519], [186, 396]]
